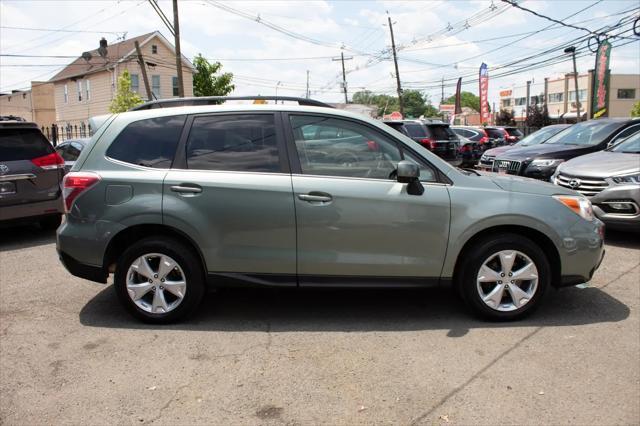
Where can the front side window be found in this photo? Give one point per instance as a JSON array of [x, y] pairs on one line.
[[590, 132], [234, 142], [149, 143], [626, 93], [155, 86], [344, 148], [625, 133], [631, 145]]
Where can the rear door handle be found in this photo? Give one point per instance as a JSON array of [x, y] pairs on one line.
[[186, 189], [316, 197]]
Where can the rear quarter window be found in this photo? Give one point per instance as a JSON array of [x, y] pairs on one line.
[[23, 144], [441, 132], [150, 143]]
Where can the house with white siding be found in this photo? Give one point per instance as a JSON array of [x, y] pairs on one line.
[[86, 87]]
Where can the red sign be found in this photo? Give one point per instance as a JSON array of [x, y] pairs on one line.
[[447, 107], [395, 115], [484, 93], [505, 93]]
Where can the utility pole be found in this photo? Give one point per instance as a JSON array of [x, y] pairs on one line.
[[572, 50], [176, 29], [143, 68], [307, 84], [442, 98], [395, 62], [344, 75], [527, 104]]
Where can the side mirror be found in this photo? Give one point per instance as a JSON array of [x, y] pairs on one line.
[[409, 173]]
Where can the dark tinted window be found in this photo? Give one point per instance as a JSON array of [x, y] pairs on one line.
[[73, 151], [23, 144], [625, 133], [441, 132], [415, 130], [238, 142], [514, 131], [150, 143], [590, 132], [495, 133], [631, 145]]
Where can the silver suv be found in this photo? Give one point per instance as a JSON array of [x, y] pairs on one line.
[[173, 200]]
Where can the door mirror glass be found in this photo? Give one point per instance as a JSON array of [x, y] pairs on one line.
[[408, 171]]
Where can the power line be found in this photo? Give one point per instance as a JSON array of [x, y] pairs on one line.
[[516, 5], [54, 30]]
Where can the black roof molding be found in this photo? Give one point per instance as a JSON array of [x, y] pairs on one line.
[[214, 100]]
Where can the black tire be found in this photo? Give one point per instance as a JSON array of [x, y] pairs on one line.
[[51, 223], [479, 253], [188, 261]]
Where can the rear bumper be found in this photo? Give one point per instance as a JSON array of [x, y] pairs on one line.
[[32, 210], [82, 270]]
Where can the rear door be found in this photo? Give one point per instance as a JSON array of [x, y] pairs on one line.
[[356, 224], [29, 172], [230, 191]]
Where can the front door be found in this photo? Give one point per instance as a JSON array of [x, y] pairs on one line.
[[230, 190], [356, 224]]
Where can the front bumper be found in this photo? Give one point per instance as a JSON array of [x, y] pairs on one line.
[[581, 252], [627, 195]]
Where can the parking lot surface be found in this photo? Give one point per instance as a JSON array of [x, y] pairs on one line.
[[69, 354]]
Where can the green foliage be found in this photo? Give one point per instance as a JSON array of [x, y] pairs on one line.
[[635, 111], [467, 99], [505, 118], [415, 103], [205, 80], [125, 99], [538, 117]]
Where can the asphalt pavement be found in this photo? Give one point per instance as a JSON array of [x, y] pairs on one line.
[[69, 354]]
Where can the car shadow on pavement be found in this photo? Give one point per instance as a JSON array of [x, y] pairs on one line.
[[343, 310], [24, 236], [622, 239]]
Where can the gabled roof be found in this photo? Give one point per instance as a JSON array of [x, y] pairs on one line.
[[117, 53]]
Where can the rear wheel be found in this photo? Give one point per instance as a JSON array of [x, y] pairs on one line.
[[159, 280], [504, 277], [51, 223]]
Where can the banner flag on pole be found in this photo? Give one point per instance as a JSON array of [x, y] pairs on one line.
[[484, 93], [600, 90]]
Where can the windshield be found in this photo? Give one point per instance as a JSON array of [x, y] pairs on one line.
[[540, 136], [586, 133], [630, 145]]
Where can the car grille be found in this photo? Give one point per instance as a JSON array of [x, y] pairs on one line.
[[512, 167], [588, 186], [487, 160]]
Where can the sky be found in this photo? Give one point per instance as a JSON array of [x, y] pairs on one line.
[[270, 45]]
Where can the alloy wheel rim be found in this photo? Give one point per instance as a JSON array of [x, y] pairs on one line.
[[507, 280], [156, 283]]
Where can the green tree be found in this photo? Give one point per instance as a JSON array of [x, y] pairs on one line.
[[505, 118], [125, 99], [415, 103], [635, 111], [538, 116], [205, 80], [467, 99]]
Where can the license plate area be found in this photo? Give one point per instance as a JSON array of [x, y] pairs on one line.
[[7, 188]]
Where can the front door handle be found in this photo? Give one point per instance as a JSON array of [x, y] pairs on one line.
[[316, 197], [186, 189]]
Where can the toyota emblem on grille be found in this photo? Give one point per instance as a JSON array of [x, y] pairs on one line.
[[574, 183], [4, 169]]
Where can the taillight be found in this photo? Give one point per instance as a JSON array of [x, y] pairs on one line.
[[49, 161], [74, 184], [465, 148], [428, 143], [483, 140]]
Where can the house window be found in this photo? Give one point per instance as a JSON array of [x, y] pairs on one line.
[[506, 102], [556, 97], [87, 89], [154, 49], [79, 83], [521, 101], [24, 96], [155, 86], [626, 93], [66, 94], [174, 82], [135, 83], [582, 95]]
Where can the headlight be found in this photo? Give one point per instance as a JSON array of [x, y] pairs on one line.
[[627, 179], [546, 163], [579, 205]]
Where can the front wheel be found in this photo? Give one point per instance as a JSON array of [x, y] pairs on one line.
[[504, 277], [159, 280]]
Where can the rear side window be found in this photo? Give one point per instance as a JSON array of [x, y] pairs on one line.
[[415, 130], [441, 132], [234, 142], [23, 144], [149, 143]]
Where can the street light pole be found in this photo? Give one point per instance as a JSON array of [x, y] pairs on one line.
[[572, 50]]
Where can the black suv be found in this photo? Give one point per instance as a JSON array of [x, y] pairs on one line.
[[436, 137], [30, 176], [540, 161]]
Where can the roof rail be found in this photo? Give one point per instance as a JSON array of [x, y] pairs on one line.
[[214, 100]]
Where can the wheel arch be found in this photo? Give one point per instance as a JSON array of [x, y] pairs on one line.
[[542, 240], [130, 235]]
